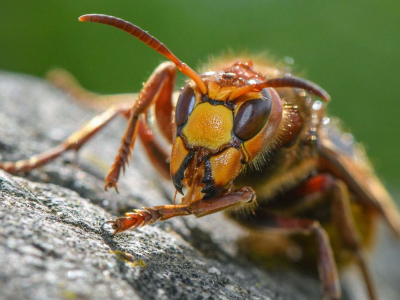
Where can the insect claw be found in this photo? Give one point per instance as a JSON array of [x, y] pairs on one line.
[[111, 185], [107, 185], [113, 226]]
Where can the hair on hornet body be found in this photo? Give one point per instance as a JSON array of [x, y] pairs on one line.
[[227, 119]]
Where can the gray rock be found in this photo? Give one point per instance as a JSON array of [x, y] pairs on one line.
[[53, 244]]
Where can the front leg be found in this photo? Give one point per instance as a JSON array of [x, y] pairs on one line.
[[152, 92], [147, 215], [74, 142]]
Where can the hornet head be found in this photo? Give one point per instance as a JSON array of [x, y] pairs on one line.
[[219, 132]]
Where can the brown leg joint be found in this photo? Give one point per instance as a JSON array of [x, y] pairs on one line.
[[141, 217]]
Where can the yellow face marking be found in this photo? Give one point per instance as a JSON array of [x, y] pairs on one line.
[[225, 92], [178, 155], [209, 126], [225, 166], [213, 89], [216, 92]]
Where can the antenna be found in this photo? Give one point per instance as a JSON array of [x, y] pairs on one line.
[[283, 82], [149, 40]]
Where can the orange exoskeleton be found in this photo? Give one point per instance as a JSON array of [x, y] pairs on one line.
[[244, 130]]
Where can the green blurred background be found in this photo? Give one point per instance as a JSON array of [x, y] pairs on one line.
[[351, 48]]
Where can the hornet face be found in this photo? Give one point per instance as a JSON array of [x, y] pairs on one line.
[[216, 136]]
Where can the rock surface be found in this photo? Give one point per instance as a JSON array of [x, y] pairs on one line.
[[53, 244]]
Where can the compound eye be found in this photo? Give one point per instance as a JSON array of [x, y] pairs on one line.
[[185, 106], [251, 117]]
